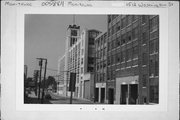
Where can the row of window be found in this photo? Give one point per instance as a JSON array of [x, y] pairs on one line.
[[120, 25], [100, 77], [111, 17], [101, 40], [154, 22], [100, 65], [123, 39], [101, 53], [123, 56]]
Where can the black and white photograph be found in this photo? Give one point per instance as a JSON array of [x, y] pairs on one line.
[[68, 60], [91, 59]]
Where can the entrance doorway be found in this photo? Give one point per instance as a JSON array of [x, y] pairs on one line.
[[96, 94], [133, 96], [102, 95], [124, 94], [111, 96]]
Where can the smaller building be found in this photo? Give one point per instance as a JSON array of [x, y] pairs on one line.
[[61, 82]]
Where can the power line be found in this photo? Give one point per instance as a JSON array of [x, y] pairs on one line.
[[51, 69]]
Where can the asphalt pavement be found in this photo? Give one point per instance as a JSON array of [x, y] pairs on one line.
[[59, 99]]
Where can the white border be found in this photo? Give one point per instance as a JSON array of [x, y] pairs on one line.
[[9, 74], [162, 106]]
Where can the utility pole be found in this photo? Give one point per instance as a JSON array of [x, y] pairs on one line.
[[40, 64], [42, 99], [72, 85]]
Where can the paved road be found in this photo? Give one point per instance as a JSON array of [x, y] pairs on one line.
[[57, 99]]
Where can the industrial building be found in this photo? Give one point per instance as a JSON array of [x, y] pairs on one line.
[[132, 59], [78, 58]]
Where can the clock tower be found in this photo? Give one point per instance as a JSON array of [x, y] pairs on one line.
[[73, 33]]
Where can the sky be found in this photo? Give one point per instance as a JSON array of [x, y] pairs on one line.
[[45, 37]]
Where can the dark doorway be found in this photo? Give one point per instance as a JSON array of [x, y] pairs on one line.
[[133, 93], [111, 96], [96, 94], [102, 95], [124, 94]]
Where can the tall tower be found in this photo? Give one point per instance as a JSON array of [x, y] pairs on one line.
[[73, 33]]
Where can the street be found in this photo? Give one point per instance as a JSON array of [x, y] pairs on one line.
[[56, 99]]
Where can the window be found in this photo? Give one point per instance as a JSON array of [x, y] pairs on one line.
[[114, 43], [123, 56], [97, 66], [81, 70], [73, 32], [134, 17], [135, 52], [91, 50], [135, 33], [118, 41], [144, 58], [104, 64], [143, 19], [128, 36], [154, 35], [82, 51], [154, 94], [108, 74], [144, 37], [117, 57], [91, 41], [113, 29], [102, 40], [114, 16], [156, 67], [112, 59], [123, 22], [98, 41], [151, 67], [104, 51], [81, 61], [129, 19], [90, 60], [152, 46], [154, 23], [144, 80], [108, 61], [109, 46], [90, 69], [118, 26], [128, 54], [123, 39]]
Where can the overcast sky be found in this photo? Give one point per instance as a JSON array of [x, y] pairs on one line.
[[45, 37]]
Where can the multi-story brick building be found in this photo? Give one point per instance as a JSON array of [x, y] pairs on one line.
[[101, 68], [132, 59]]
